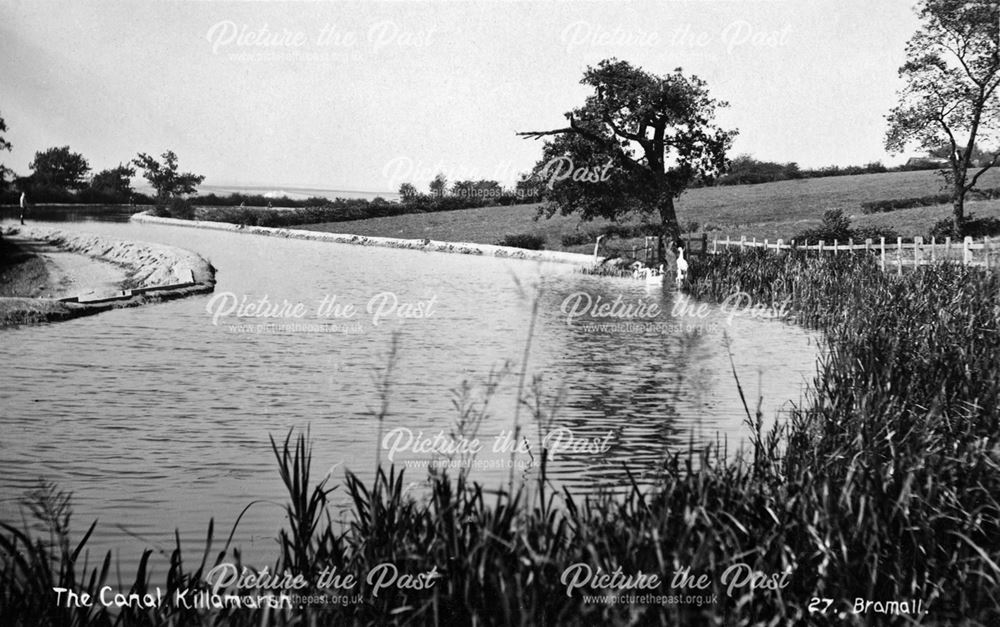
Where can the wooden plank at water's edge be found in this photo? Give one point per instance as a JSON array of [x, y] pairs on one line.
[[105, 298], [160, 288]]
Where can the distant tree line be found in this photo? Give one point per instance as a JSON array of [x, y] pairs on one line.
[[467, 194], [59, 175], [746, 170], [257, 210]]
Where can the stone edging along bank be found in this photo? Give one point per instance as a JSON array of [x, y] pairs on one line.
[[491, 250], [158, 273]]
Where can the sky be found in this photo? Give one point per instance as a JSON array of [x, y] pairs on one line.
[[364, 95]]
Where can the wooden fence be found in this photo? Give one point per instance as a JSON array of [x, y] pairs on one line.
[[694, 246], [892, 255]]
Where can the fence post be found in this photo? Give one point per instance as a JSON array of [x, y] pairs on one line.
[[947, 248], [765, 243], [836, 248], [821, 248], [850, 244], [899, 256], [918, 243], [868, 245], [881, 245], [966, 251], [715, 245], [933, 249], [755, 242], [743, 241], [781, 243]]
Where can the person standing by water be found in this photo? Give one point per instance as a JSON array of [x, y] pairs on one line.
[[24, 204]]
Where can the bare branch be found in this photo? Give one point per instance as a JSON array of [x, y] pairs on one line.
[[620, 132], [963, 63], [952, 158], [541, 134], [975, 178], [576, 129]]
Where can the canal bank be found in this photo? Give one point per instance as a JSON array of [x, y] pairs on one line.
[[428, 245], [148, 273]]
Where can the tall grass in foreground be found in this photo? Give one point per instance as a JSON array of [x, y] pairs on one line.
[[885, 487], [897, 461]]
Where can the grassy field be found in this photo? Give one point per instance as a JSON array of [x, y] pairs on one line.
[[768, 210], [905, 220]]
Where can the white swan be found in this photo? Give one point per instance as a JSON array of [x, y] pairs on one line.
[[650, 275], [638, 271], [597, 246], [682, 266], [655, 276]]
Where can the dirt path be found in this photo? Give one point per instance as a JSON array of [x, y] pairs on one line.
[[73, 274]]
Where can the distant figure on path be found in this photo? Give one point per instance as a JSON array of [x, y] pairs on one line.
[[24, 205]]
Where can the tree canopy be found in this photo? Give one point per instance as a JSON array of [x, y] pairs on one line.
[[165, 177], [439, 185], [637, 142], [59, 168], [114, 181], [482, 188], [951, 76], [406, 190]]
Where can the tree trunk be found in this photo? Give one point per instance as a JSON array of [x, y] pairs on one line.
[[959, 212], [958, 203], [669, 229]]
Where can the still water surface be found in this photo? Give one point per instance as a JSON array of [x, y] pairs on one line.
[[158, 417]]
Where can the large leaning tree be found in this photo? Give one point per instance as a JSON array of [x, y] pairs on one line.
[[633, 147], [951, 75]]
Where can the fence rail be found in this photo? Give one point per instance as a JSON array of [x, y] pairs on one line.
[[898, 254], [893, 255]]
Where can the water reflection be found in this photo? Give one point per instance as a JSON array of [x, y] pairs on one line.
[[72, 213]]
